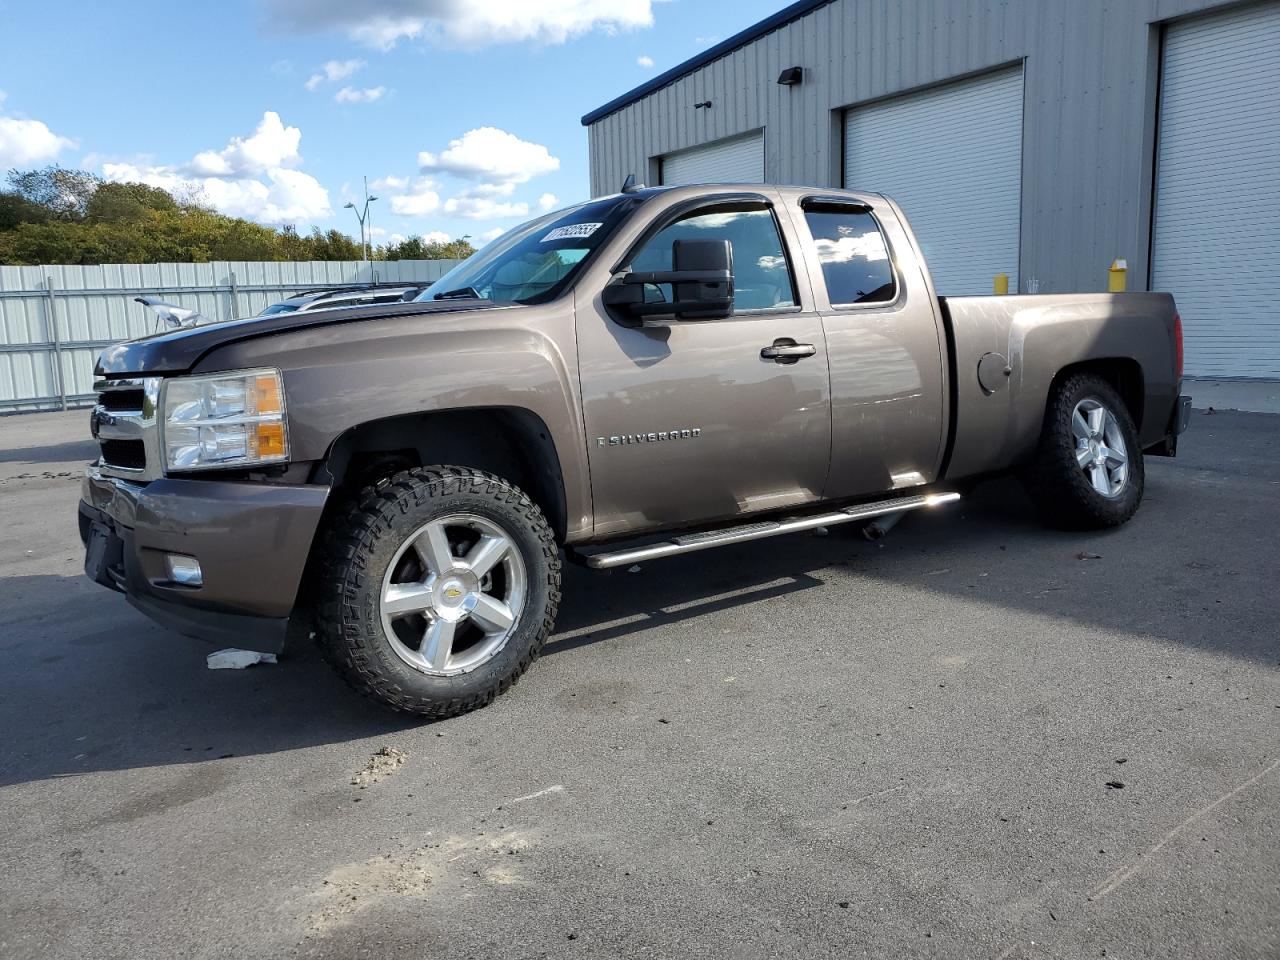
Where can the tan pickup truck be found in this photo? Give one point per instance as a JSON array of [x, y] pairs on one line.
[[651, 373]]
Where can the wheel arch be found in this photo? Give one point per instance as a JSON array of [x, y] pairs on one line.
[[1124, 374], [511, 442]]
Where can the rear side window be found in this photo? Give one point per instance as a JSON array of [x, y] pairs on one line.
[[761, 274], [854, 255]]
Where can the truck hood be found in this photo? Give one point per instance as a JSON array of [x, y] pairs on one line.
[[177, 351]]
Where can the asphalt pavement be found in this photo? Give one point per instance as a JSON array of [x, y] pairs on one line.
[[977, 739]]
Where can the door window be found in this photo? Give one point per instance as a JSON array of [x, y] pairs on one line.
[[854, 255], [761, 273]]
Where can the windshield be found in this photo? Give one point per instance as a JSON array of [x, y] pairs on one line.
[[282, 307], [536, 261]]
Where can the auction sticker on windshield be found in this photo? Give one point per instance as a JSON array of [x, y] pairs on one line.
[[572, 231]]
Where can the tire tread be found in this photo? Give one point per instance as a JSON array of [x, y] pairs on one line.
[[345, 550], [1053, 478]]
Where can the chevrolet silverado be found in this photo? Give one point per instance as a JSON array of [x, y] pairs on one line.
[[651, 373]]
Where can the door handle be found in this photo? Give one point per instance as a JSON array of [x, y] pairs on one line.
[[786, 350]]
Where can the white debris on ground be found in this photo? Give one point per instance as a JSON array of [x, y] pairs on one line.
[[384, 762], [233, 659]]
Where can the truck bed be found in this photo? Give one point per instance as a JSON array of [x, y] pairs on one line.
[[995, 424]]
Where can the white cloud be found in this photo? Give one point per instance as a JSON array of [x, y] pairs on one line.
[[272, 145], [381, 23], [646, 62], [547, 202], [285, 196], [422, 199], [436, 236], [865, 246], [491, 155], [24, 143], [493, 234], [477, 206], [252, 177], [352, 95], [27, 142], [389, 182], [333, 71]]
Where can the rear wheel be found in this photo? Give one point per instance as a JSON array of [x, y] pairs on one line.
[[1087, 472], [441, 587]]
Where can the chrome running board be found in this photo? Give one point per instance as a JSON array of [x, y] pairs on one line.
[[690, 542]]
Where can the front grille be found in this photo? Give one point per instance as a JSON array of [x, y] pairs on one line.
[[128, 399], [124, 422], [128, 454]]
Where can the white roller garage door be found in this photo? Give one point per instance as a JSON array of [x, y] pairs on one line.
[[1217, 231], [740, 160], [952, 157]]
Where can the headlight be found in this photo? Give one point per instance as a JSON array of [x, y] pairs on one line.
[[224, 420]]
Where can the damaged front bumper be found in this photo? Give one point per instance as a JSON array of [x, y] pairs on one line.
[[250, 543]]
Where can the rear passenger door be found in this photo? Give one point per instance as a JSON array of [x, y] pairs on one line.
[[884, 346]]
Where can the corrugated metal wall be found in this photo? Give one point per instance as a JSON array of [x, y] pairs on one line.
[[1217, 223], [730, 161], [952, 155], [1089, 124], [92, 307]]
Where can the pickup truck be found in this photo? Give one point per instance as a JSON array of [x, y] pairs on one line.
[[656, 372]]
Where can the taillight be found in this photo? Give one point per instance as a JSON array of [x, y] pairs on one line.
[[1177, 344]]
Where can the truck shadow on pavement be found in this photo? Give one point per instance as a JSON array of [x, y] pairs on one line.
[[73, 451], [1168, 575], [89, 684]]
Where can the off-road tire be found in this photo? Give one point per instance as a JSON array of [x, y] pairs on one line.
[[1060, 489], [361, 542]]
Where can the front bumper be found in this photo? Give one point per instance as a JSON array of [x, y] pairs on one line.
[[252, 541]]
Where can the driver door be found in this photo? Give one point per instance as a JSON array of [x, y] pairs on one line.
[[688, 422]]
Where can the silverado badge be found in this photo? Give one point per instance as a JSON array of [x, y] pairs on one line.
[[661, 435]]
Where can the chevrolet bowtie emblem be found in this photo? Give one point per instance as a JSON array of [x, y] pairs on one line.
[[453, 593]]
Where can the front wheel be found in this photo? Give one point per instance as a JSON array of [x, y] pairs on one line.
[[441, 587], [1087, 472]]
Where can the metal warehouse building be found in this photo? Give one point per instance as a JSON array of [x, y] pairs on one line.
[[1042, 139]]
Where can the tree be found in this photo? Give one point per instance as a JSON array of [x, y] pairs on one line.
[[54, 215], [126, 201], [415, 248], [16, 209], [64, 193], [332, 245]]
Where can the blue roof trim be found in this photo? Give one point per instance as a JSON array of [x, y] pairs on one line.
[[780, 19]]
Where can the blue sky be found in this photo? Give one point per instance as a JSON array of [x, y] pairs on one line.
[[464, 113]]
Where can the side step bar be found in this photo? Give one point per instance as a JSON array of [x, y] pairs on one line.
[[688, 543]]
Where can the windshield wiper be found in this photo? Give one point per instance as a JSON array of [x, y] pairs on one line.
[[462, 293]]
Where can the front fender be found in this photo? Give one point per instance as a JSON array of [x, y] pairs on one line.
[[337, 378]]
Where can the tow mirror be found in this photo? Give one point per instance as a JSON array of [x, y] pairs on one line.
[[701, 283]]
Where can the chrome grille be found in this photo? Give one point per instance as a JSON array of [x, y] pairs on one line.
[[124, 424], [125, 400]]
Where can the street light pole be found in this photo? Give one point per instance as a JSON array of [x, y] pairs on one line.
[[362, 214]]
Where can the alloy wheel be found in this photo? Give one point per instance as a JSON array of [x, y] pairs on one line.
[[453, 594], [1100, 448]]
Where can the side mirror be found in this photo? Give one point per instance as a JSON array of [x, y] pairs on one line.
[[701, 284]]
